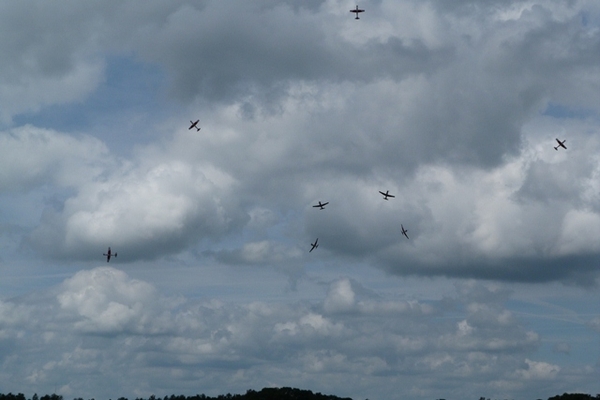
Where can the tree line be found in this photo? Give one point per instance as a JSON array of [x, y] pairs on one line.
[[285, 393]]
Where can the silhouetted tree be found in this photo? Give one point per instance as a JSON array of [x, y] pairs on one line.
[[572, 396]]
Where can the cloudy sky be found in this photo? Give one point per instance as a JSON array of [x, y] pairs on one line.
[[451, 105]]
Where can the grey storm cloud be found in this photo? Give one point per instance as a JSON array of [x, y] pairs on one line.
[[30, 156], [240, 55], [47, 66], [464, 98], [444, 116]]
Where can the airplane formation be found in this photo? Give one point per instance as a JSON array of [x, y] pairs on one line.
[[320, 205], [386, 196]]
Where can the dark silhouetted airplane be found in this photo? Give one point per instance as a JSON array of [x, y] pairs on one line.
[[560, 144], [314, 245], [356, 11], [321, 205], [194, 125], [404, 231], [108, 255], [386, 194]]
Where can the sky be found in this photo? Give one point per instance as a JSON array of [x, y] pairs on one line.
[[454, 106]]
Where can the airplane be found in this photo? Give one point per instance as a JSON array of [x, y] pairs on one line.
[[560, 144], [314, 245], [386, 194], [194, 125], [404, 231], [322, 205], [356, 11], [108, 255]]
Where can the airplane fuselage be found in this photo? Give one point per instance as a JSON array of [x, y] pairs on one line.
[[356, 11], [386, 194], [108, 255], [194, 125], [560, 144], [321, 206], [404, 231]]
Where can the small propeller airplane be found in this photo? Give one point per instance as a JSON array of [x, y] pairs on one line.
[[356, 11], [404, 231], [386, 194], [321, 205], [108, 255], [314, 245], [560, 144], [194, 125]]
